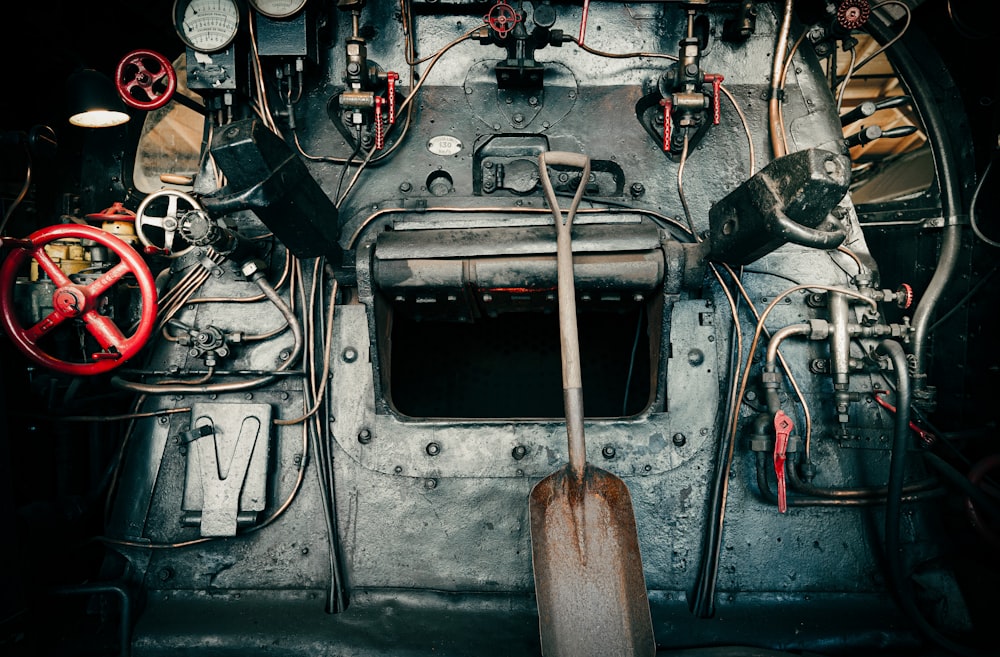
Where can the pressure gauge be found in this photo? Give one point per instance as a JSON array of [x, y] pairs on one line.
[[206, 25], [278, 8]]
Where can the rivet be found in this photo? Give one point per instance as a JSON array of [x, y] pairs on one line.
[[429, 484], [609, 451], [433, 449], [350, 355], [365, 437], [679, 439]]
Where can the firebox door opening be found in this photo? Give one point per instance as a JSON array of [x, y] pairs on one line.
[[509, 365]]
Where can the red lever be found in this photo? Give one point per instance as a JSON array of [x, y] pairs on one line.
[[667, 123], [716, 80], [392, 77], [925, 435], [379, 135], [782, 429]]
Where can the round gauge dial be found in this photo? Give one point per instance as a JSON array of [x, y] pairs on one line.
[[278, 8], [207, 25]]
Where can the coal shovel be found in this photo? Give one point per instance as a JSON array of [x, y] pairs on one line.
[[589, 583]]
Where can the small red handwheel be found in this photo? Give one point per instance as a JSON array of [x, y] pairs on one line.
[[145, 79], [76, 301], [502, 18]]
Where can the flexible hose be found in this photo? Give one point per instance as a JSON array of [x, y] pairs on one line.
[[901, 586], [931, 112]]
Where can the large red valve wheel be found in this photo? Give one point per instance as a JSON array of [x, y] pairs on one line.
[[75, 301], [145, 79]]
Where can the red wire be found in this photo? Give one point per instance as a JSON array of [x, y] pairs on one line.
[[583, 20]]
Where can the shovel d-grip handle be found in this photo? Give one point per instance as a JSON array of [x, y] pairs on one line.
[[569, 338], [75, 301], [797, 233]]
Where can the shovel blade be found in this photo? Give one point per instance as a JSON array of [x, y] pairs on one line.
[[589, 583]]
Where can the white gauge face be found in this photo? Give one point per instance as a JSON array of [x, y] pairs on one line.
[[207, 25], [278, 8]]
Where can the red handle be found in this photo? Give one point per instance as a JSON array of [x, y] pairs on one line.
[[782, 430], [379, 133], [145, 79], [716, 80], [76, 301], [668, 123], [392, 78]]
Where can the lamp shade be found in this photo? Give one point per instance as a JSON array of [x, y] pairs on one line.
[[93, 100]]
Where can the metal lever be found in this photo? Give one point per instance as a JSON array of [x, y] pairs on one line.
[[667, 123], [782, 430], [391, 78], [716, 80], [379, 134], [869, 107], [868, 134]]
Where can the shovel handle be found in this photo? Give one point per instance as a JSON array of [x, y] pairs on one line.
[[569, 338]]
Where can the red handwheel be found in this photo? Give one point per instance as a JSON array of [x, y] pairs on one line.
[[73, 301], [145, 79]]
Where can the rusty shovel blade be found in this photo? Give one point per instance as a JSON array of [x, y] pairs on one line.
[[590, 588]]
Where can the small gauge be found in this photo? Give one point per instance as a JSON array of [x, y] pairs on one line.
[[278, 8], [206, 25]]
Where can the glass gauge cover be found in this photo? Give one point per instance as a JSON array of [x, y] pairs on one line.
[[278, 8], [206, 25]]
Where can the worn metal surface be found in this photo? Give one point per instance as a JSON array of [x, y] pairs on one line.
[[431, 513]]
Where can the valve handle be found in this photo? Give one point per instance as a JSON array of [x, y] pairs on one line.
[[668, 122], [782, 430], [392, 77], [77, 301], [379, 133], [502, 18], [716, 80], [168, 225], [145, 79]]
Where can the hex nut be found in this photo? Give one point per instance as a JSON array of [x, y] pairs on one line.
[[252, 267]]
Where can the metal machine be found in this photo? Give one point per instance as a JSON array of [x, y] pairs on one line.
[[300, 359]]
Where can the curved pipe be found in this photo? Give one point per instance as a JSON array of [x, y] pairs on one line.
[[773, 103], [771, 362], [948, 179]]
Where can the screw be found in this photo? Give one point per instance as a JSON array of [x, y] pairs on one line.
[[405, 187], [285, 353], [304, 551], [365, 437], [166, 574], [518, 118], [398, 469], [429, 484], [679, 439], [433, 449], [637, 190], [519, 452], [609, 452], [350, 355], [248, 396], [162, 419]]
